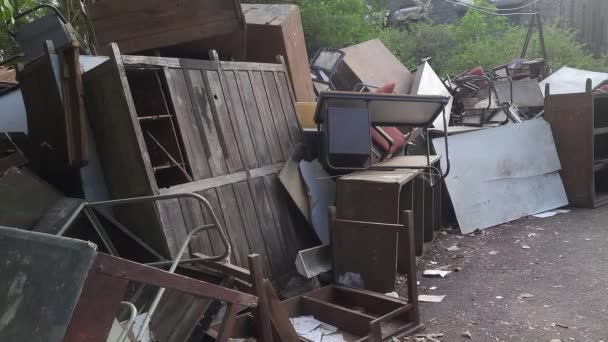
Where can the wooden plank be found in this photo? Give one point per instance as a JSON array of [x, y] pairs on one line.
[[215, 182], [262, 312], [271, 232], [187, 124], [266, 116], [349, 320], [128, 270], [419, 209], [234, 224], [251, 225], [214, 236], [193, 218], [289, 109], [276, 110], [253, 116], [206, 122], [173, 224], [230, 143], [205, 184], [279, 316], [198, 64], [235, 105]]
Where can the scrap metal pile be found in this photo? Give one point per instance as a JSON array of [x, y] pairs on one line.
[[189, 175]]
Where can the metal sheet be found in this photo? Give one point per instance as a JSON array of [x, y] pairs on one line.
[[526, 93], [322, 194], [13, 117], [428, 83], [42, 277], [569, 80], [502, 174]]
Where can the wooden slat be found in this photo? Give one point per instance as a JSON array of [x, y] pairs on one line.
[[234, 224], [239, 119], [288, 107], [271, 232], [197, 63], [266, 116], [230, 144], [251, 225], [188, 125], [253, 117], [276, 110], [172, 220], [214, 237], [193, 218]]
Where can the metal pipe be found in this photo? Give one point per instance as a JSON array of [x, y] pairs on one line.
[[161, 291], [125, 332]]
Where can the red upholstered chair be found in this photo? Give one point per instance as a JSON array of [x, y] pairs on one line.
[[387, 140]]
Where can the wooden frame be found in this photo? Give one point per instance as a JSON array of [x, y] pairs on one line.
[[580, 128], [236, 125]]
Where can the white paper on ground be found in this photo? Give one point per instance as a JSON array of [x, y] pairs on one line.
[[435, 273], [315, 330], [430, 298], [551, 213]]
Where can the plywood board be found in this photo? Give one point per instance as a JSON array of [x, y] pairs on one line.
[[374, 64], [502, 174]]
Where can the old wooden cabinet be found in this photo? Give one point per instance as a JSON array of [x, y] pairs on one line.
[[277, 30], [139, 25], [219, 129], [579, 123]]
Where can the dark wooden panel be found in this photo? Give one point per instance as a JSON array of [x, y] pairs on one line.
[[266, 116], [235, 105], [351, 321], [142, 25], [176, 316], [229, 143], [276, 110], [188, 125], [365, 254], [209, 127], [571, 120], [253, 117], [279, 203]]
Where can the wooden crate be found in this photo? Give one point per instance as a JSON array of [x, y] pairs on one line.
[[228, 127], [277, 30], [139, 25]]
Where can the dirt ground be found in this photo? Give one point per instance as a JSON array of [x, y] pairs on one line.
[[530, 280]]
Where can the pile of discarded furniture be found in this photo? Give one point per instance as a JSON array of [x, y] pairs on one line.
[[188, 174]]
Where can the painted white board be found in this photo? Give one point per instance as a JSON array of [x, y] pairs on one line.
[[569, 80]]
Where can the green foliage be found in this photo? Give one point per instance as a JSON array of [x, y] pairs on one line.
[[339, 23], [486, 40]]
